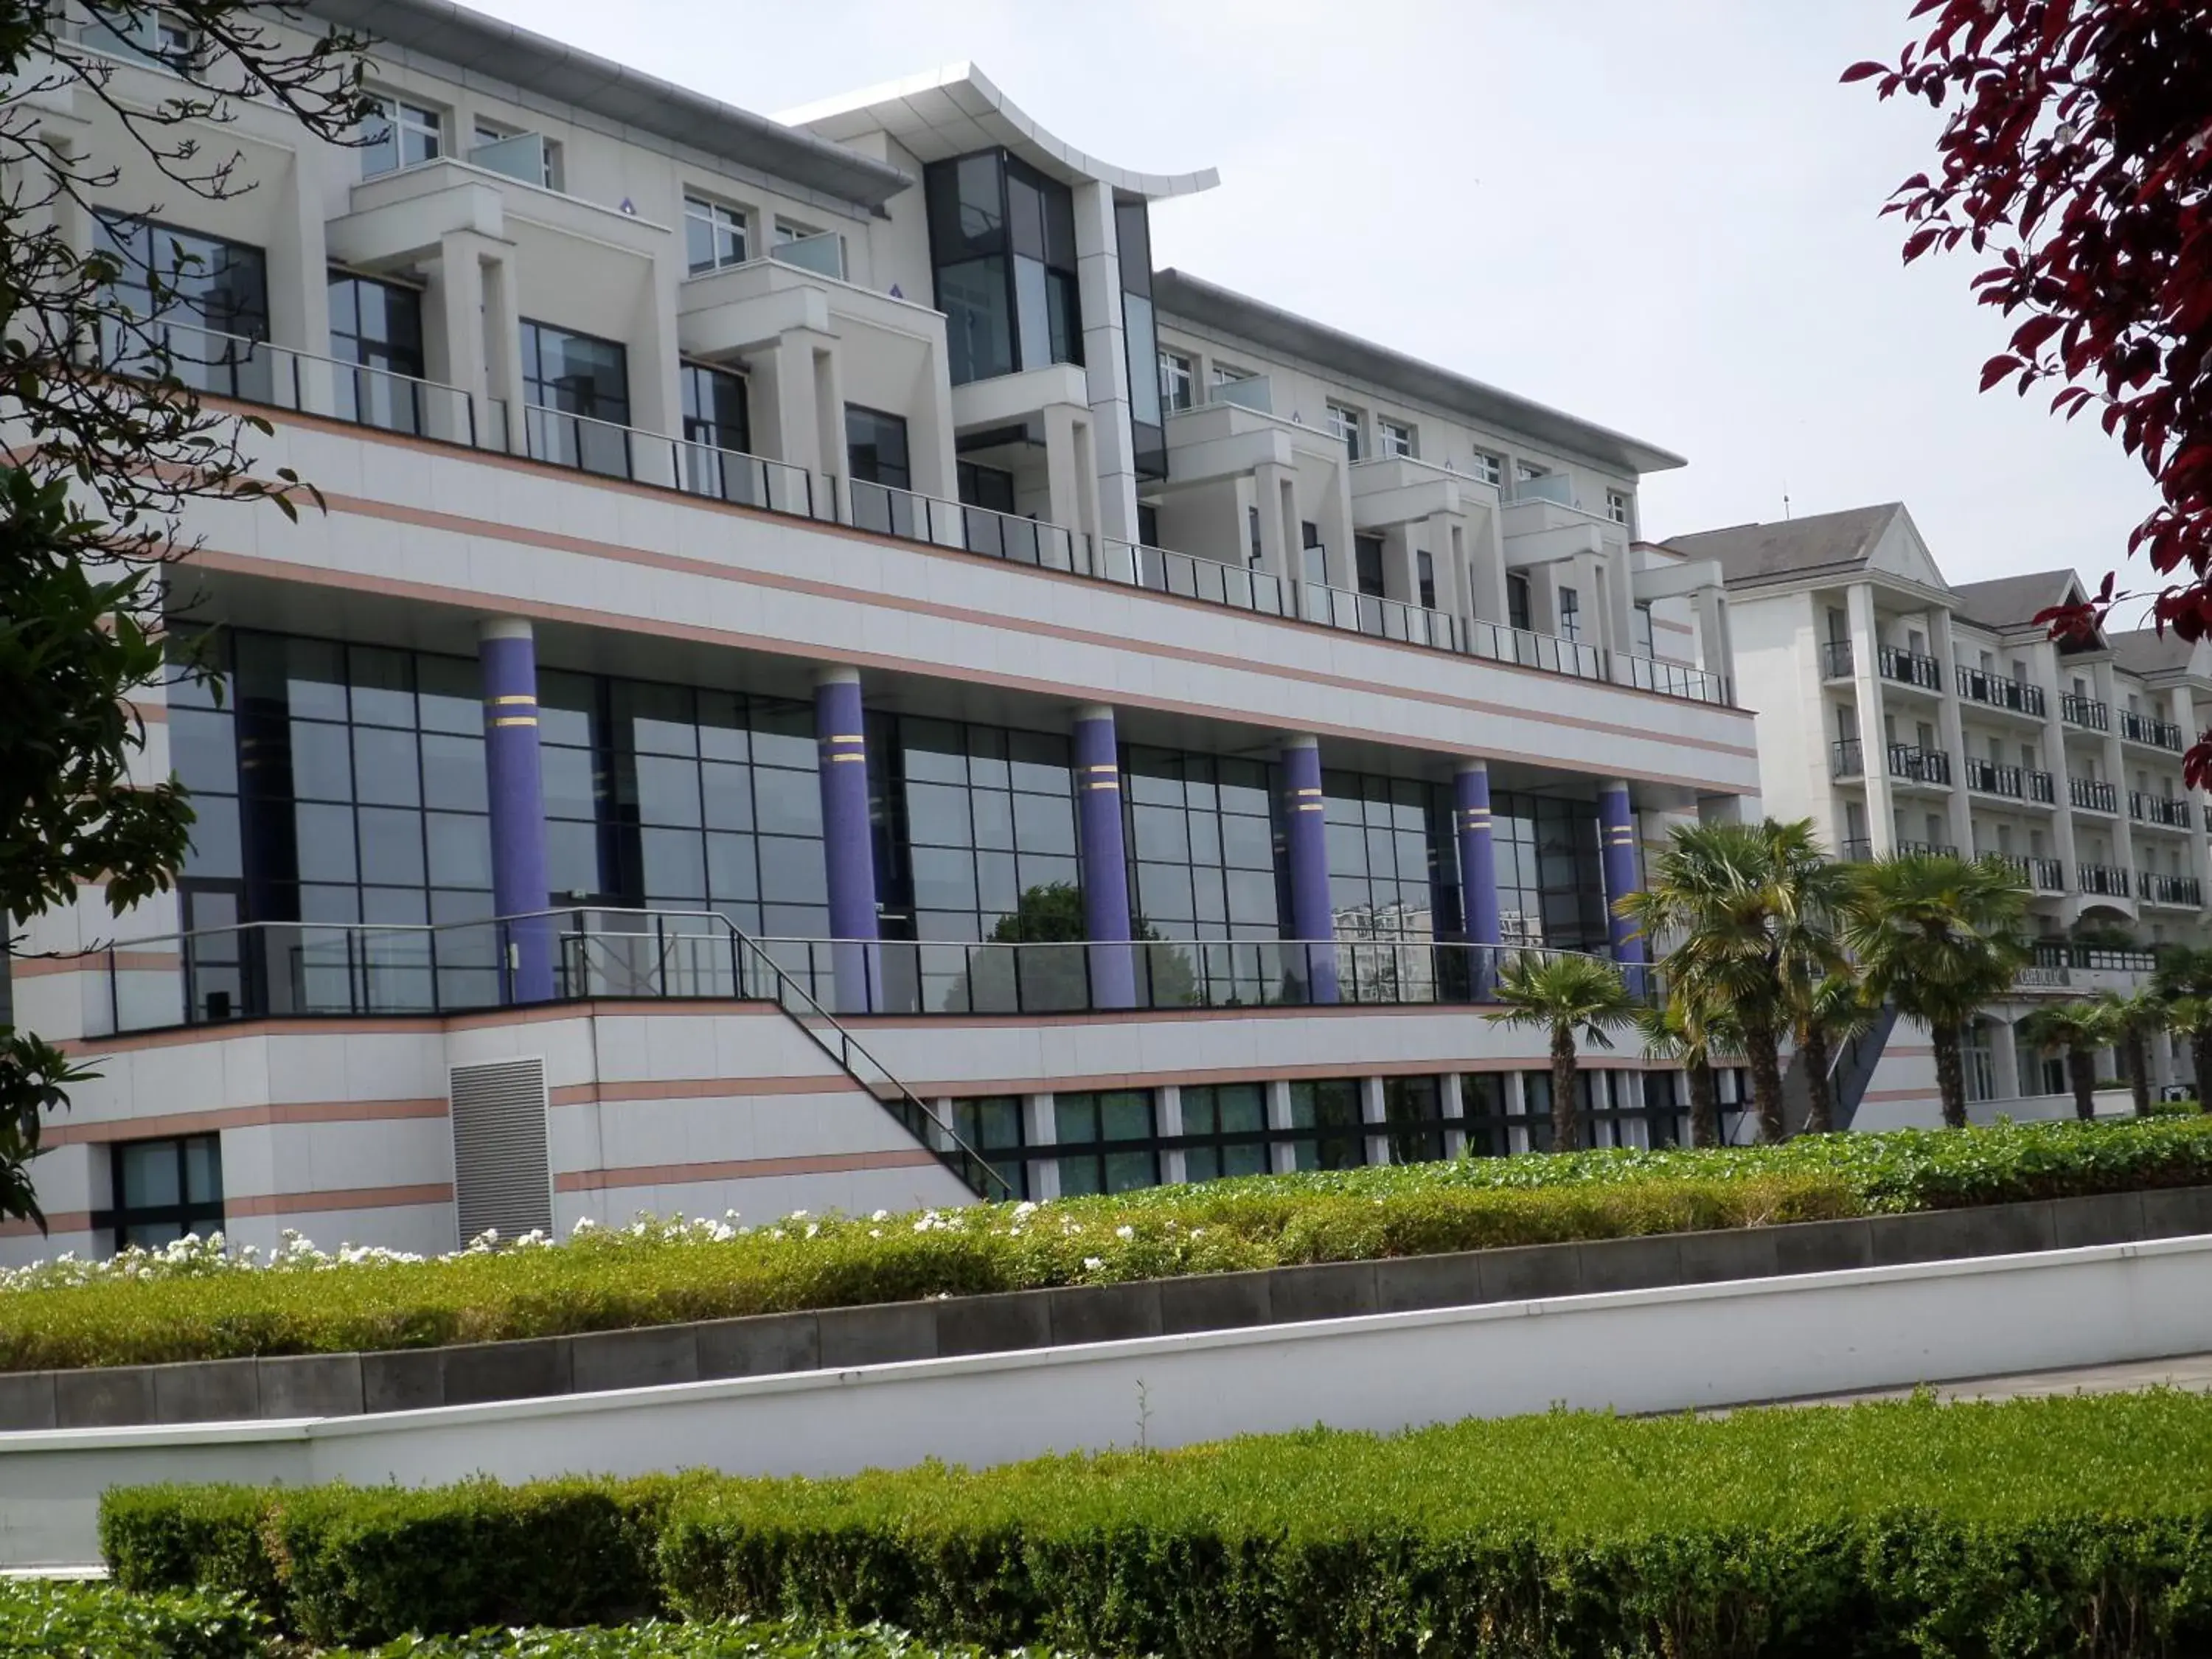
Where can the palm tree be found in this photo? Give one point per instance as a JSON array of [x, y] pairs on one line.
[[1676, 1032], [2183, 982], [1564, 995], [1939, 936], [2134, 1017], [1835, 1009], [1752, 910], [2076, 1029]]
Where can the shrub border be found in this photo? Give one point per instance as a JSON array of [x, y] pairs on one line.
[[411, 1379]]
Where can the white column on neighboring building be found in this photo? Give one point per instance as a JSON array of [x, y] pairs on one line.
[[2200, 860], [2005, 1056], [2107, 690], [1106, 358], [1040, 1133], [502, 336], [2044, 669], [1453, 1105], [1371, 1114], [1282, 1159], [1167, 1123], [456, 288], [1071, 481], [1866, 694], [1953, 733], [796, 435], [1272, 492]]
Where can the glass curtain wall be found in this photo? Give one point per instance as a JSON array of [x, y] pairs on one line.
[[199, 298], [1002, 249], [1202, 839], [1550, 883]]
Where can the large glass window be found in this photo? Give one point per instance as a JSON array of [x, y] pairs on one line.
[[1413, 1116], [1178, 381], [714, 411], [714, 234], [578, 390], [1108, 1141], [1225, 1128], [1201, 843], [378, 326], [670, 797], [400, 135], [164, 1189], [992, 1125], [1002, 246], [1551, 891], [876, 448], [1330, 1125], [980, 822], [202, 301]]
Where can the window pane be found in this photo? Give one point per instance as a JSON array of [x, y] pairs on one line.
[[390, 847], [324, 838], [386, 770], [150, 1175], [460, 849], [203, 1171]]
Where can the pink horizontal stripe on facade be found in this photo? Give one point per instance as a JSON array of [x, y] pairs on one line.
[[698, 1088], [742, 1169], [348, 1197], [60, 1221], [244, 1117]]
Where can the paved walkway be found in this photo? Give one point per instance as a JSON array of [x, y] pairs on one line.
[[2190, 1372]]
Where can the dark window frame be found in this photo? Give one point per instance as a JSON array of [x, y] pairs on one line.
[[203, 1214]]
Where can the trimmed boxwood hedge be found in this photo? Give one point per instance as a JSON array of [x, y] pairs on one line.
[[2078, 1525], [613, 1281]]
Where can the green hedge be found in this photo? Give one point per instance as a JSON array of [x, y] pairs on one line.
[[662, 1639], [616, 1280], [92, 1622], [2075, 1525]]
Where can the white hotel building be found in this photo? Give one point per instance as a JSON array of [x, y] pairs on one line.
[[747, 533], [1900, 713]]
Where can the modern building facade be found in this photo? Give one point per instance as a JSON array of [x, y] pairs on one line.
[[827, 680], [1901, 713]]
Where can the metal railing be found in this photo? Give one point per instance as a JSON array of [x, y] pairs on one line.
[[1926, 849], [2046, 875], [1997, 692], [2042, 786], [2168, 810], [2187, 891], [2141, 728], [890, 511], [2092, 958], [1857, 850], [1372, 614], [953, 978], [2092, 795], [1914, 764], [2103, 881], [2085, 712], [287, 968], [1908, 667], [1991, 778], [1836, 662], [1847, 757], [281, 377]]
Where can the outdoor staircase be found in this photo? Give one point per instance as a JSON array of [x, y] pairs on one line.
[[1849, 1073]]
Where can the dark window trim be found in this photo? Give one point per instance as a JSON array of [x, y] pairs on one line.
[[202, 1216]]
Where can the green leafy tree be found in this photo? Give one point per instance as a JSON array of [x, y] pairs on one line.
[[1939, 936], [1563, 995], [2135, 1015], [1832, 1011], [1751, 911], [2183, 982], [1679, 1032], [109, 448], [2075, 1029]]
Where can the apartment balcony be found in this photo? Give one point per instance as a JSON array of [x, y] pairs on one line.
[[1988, 778], [2043, 788], [2180, 892], [1857, 850], [2103, 881], [2086, 713], [1909, 668], [1926, 849], [2062, 966], [2092, 796], [2046, 875], [1836, 659], [1991, 691], [2158, 734], [1911, 764], [2165, 812]]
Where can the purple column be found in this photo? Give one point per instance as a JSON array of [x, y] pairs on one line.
[[848, 849], [1478, 872], [507, 656], [1305, 841], [1616, 828], [1105, 859]]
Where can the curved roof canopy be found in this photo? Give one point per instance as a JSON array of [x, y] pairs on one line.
[[955, 111], [550, 74]]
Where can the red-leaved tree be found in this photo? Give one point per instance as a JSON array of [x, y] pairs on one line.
[[2077, 161]]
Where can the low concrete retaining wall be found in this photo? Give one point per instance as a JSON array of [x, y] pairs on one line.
[[352, 1384], [1632, 1351]]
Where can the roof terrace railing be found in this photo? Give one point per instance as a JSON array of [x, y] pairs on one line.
[[259, 371]]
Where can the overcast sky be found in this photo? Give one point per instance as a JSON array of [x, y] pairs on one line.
[[1659, 217]]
